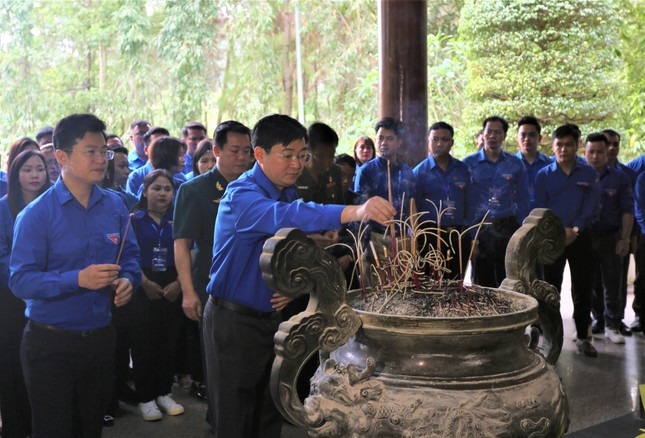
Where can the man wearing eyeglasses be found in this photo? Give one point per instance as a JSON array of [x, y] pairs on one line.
[[242, 313], [138, 157], [443, 183], [72, 259], [191, 134]]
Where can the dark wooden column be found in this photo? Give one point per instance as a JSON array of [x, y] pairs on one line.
[[403, 71]]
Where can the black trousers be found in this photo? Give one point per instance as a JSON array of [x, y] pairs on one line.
[[14, 402], [69, 379], [488, 267], [580, 257], [239, 356]]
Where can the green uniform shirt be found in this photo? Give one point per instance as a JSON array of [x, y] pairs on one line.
[[195, 213], [329, 189]]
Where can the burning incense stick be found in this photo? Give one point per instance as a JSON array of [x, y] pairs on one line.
[[125, 234]]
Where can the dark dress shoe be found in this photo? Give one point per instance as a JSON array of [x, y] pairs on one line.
[[624, 330], [597, 327], [108, 421], [198, 390], [636, 326]]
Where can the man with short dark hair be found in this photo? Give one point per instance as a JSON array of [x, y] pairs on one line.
[[443, 183], [241, 316], [191, 134], [612, 230], [72, 258], [196, 209], [138, 157], [114, 141], [44, 135], [572, 190], [500, 194], [529, 135]]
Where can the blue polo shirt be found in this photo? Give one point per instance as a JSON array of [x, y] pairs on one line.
[[134, 184], [150, 235], [532, 169], [450, 187], [251, 211], [3, 187], [637, 164], [55, 237], [574, 197], [501, 187], [134, 161], [188, 166], [6, 239], [371, 180], [617, 199]]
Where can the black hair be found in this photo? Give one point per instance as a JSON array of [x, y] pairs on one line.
[[220, 135], [611, 132], [391, 124], [530, 120], [155, 130], [442, 125], [320, 133], [19, 146], [43, 132], [568, 130], [139, 124], [108, 181], [499, 119], [74, 127], [163, 152], [345, 159], [14, 191], [597, 136], [203, 147], [192, 125], [150, 178], [277, 129]]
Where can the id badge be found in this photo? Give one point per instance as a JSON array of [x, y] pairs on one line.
[[449, 207], [494, 195], [159, 259]]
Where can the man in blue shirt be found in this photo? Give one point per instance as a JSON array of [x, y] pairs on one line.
[[611, 230], [135, 178], [240, 317], [529, 135], [500, 187], [191, 134], [572, 190], [72, 258], [388, 177], [443, 183], [138, 157]]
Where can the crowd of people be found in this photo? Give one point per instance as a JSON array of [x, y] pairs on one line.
[[124, 272]]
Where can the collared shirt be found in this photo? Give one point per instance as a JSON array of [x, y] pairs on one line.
[[328, 189], [372, 180], [574, 197], [55, 237], [151, 235], [252, 210], [134, 184], [617, 199], [447, 188], [532, 169], [637, 164], [3, 187], [188, 165], [128, 198], [631, 173], [499, 187], [196, 209], [639, 194], [6, 239], [135, 161]]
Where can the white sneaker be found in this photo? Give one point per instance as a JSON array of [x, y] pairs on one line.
[[149, 411], [169, 406], [614, 336]]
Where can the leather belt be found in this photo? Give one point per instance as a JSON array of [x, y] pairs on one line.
[[221, 303], [74, 333]]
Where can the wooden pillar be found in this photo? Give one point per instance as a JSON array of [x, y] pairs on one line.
[[403, 71]]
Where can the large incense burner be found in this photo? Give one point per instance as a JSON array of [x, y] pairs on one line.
[[401, 376]]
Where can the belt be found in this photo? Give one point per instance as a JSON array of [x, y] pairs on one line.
[[74, 333], [221, 303]]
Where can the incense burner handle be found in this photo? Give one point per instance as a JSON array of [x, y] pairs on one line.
[[293, 264], [539, 241]]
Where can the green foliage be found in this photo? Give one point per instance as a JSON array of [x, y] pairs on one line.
[[554, 59]]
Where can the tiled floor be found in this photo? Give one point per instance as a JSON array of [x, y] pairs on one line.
[[597, 389]]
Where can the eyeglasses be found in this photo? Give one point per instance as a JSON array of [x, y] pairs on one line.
[[104, 153], [305, 158]]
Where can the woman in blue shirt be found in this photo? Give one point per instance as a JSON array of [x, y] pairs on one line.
[[27, 180], [154, 344]]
